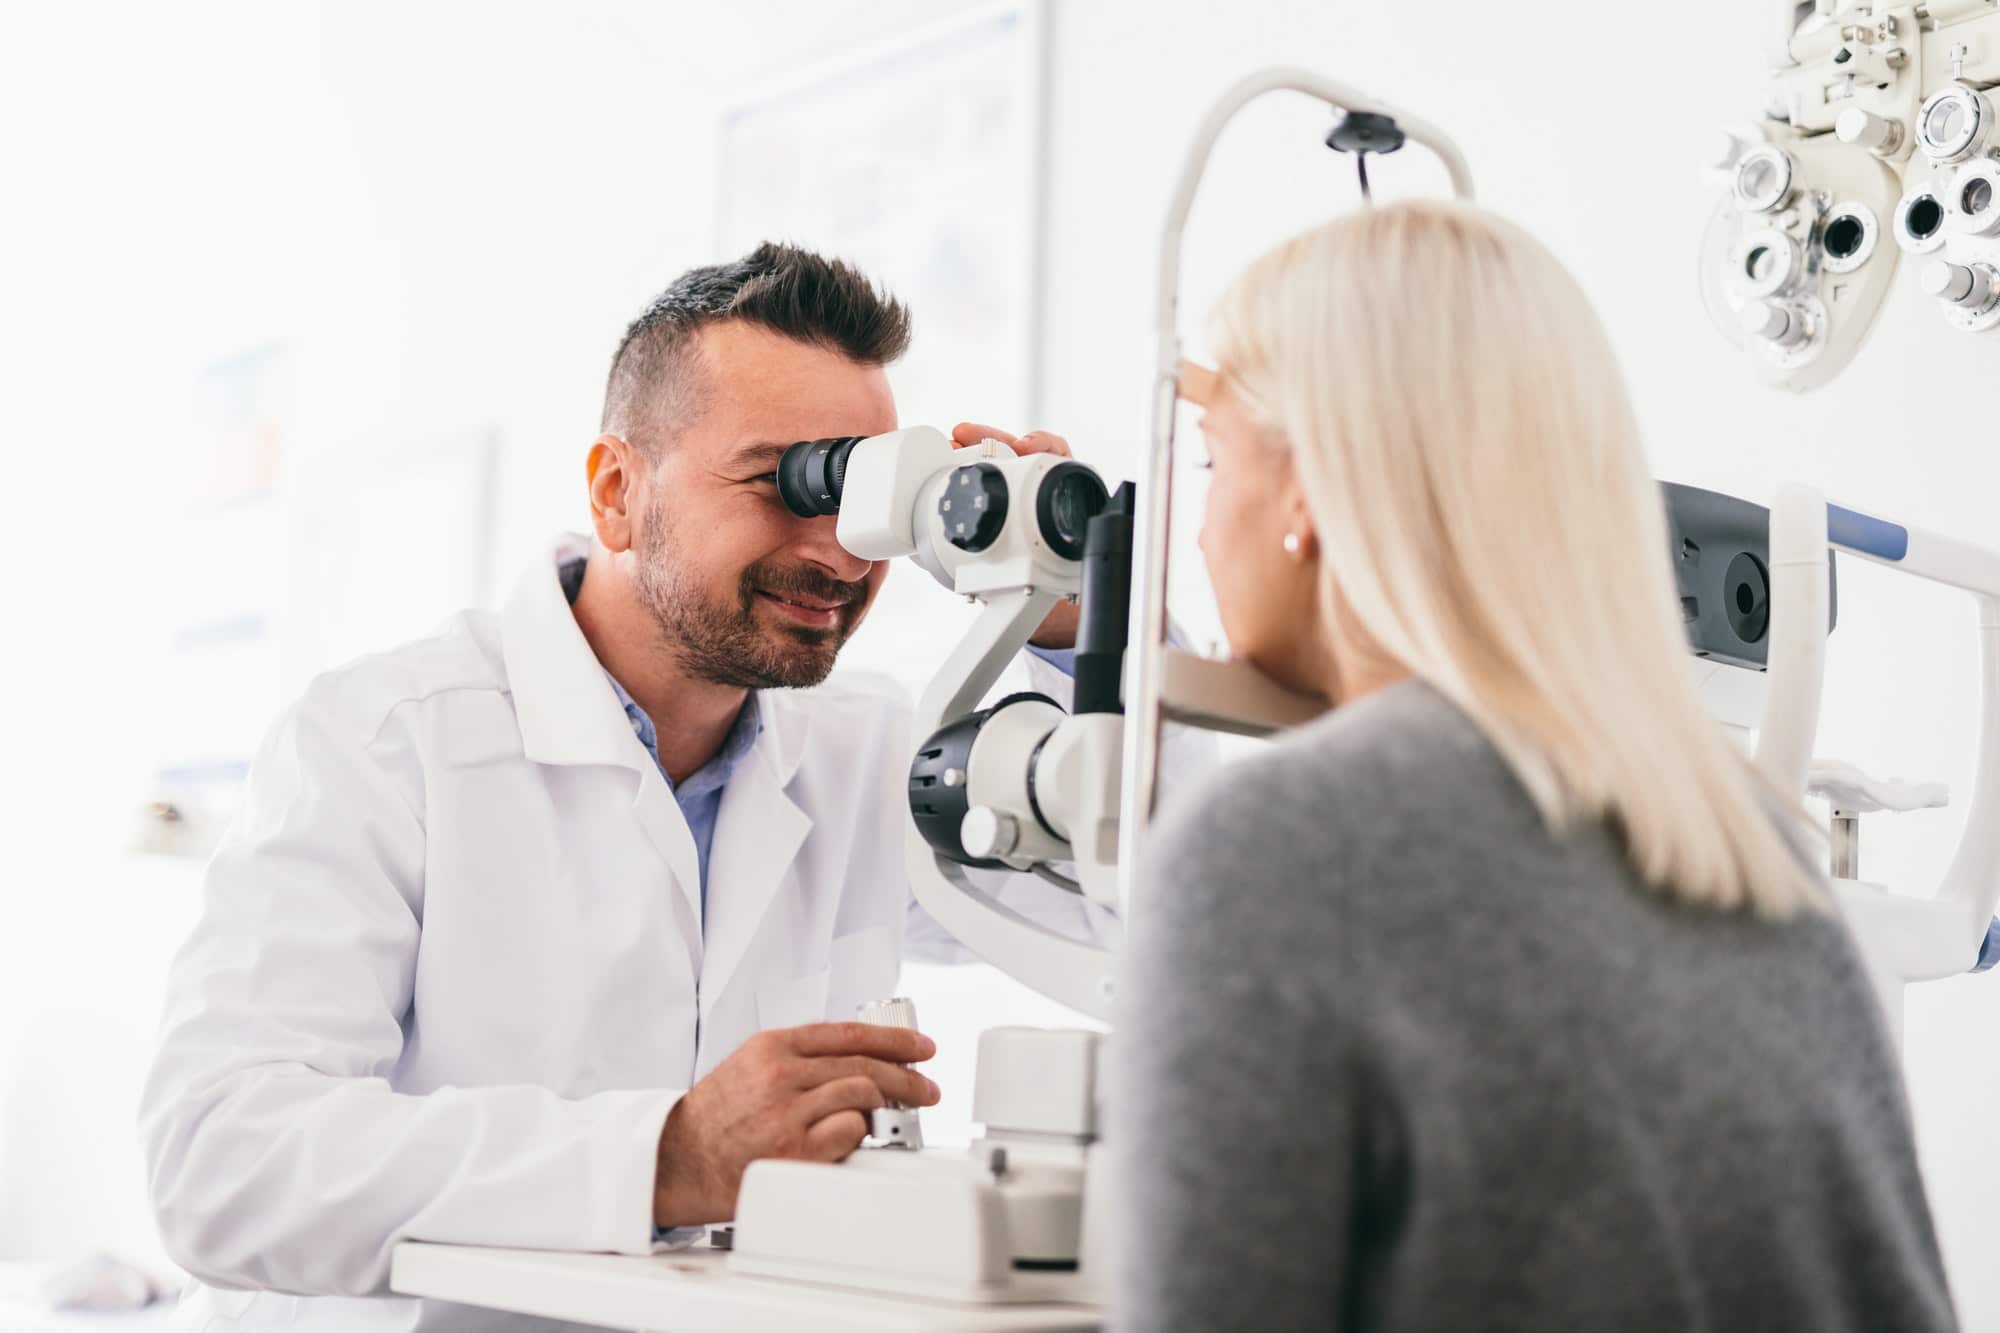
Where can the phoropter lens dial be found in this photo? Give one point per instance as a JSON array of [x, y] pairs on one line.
[[973, 507]]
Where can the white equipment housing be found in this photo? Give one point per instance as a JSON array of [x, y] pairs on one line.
[[1904, 938], [1879, 139]]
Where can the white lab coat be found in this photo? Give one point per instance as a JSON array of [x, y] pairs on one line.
[[451, 974]]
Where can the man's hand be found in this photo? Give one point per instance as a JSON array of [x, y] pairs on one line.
[[801, 1092], [1058, 629]]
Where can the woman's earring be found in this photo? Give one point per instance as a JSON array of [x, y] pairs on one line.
[[1294, 544]]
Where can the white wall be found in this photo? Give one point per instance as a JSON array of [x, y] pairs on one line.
[[461, 203]]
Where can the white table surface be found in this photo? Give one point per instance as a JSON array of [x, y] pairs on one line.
[[690, 1291]]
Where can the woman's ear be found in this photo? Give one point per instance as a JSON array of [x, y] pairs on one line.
[[613, 477], [1301, 534]]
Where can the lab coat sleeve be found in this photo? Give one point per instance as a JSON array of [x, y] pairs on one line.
[[278, 1156], [1185, 754]]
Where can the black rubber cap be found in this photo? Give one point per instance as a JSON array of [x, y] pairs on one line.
[[974, 506]]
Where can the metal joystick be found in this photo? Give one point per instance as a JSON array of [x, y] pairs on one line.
[[894, 1125]]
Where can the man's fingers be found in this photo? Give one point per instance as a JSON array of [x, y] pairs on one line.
[[904, 1085], [968, 433], [836, 1136], [971, 432], [1041, 442], [856, 1092], [896, 1045]]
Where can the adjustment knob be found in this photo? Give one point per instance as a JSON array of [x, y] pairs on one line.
[[1864, 129], [1775, 322], [891, 1013], [987, 834], [1970, 286], [894, 1125], [974, 506], [1765, 179]]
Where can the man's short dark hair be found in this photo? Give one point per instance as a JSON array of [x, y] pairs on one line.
[[655, 386]]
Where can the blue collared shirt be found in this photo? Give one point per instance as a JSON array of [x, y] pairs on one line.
[[700, 796]]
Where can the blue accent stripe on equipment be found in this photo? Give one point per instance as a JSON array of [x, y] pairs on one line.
[[1869, 536]]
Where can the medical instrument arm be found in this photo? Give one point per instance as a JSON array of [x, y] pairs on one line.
[[278, 1154], [1188, 755], [1803, 525], [1151, 661]]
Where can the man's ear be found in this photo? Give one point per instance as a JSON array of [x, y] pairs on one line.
[[613, 470]]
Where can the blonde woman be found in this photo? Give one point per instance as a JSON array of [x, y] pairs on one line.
[[1504, 996]]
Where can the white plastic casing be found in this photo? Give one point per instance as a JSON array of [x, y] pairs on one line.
[[1801, 588], [1037, 1081], [1734, 696], [997, 773], [1077, 783], [921, 1224], [888, 509], [879, 493], [1018, 557]]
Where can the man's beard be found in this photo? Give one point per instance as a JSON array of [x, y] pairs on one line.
[[722, 641]]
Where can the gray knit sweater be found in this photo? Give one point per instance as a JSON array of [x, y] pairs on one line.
[[1395, 1058]]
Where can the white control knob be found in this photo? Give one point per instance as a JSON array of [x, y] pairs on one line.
[[1958, 284], [891, 1013], [1864, 129], [987, 834], [1775, 322], [894, 1125]]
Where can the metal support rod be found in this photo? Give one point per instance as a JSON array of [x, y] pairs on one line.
[[1149, 556], [1844, 845]]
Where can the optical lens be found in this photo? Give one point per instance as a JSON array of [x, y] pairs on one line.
[[1069, 497]]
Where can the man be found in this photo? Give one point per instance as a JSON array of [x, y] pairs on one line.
[[499, 896]]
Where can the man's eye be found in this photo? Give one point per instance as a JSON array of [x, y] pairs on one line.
[[764, 477]]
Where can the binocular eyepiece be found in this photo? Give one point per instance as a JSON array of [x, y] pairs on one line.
[[812, 474], [963, 504]]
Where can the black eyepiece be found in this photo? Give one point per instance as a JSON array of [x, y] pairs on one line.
[[811, 474], [1070, 496]]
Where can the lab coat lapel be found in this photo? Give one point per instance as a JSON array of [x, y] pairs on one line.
[[569, 715], [660, 815], [758, 833], [563, 701]]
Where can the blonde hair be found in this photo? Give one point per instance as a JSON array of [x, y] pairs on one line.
[[1485, 514]]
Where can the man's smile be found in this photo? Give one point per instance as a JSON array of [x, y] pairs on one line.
[[817, 612]]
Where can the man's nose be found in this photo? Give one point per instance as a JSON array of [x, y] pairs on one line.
[[823, 548]]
